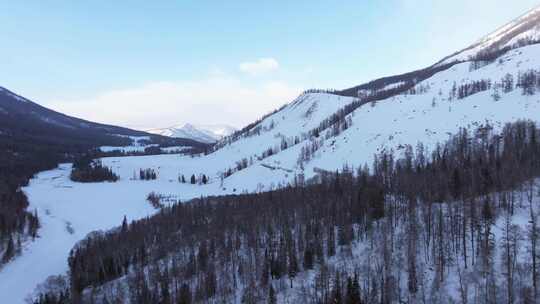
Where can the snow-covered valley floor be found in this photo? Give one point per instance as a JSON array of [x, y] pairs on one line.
[[68, 211]]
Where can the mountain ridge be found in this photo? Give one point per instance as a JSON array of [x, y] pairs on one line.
[[521, 30], [23, 118], [200, 132]]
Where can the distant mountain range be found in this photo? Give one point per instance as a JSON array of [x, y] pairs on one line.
[[201, 133], [24, 120]]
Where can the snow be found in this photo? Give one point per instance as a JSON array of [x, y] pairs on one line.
[[526, 26], [385, 88], [366, 255], [136, 140], [389, 124], [174, 149], [201, 133], [138, 145], [219, 130], [430, 117], [514, 24], [86, 207], [60, 203], [98, 206], [296, 119]]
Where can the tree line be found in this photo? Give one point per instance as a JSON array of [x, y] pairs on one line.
[[424, 212]]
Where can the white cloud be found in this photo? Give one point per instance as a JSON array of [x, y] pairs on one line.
[[216, 99], [261, 66]]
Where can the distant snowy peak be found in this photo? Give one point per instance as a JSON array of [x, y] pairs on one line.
[[218, 131], [195, 133], [201, 133], [521, 30]]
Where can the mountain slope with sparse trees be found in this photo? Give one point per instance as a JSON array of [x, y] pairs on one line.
[[431, 227]]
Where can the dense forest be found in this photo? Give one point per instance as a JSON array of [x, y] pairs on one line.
[[20, 159], [25, 152], [33, 139], [421, 221]]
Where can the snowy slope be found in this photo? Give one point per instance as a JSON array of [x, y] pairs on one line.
[[201, 133], [389, 124], [427, 116], [430, 117], [295, 120], [526, 27]]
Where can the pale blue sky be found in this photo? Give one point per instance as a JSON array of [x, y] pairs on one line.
[[96, 58]]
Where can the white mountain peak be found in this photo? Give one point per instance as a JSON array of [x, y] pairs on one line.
[[206, 133]]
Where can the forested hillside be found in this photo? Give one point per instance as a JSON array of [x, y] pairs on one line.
[[458, 223], [34, 138]]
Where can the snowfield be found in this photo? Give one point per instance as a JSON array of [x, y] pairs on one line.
[[430, 118], [68, 211]]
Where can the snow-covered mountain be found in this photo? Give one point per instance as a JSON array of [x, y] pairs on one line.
[[20, 115], [26, 120], [201, 133], [522, 30], [317, 132], [322, 131]]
